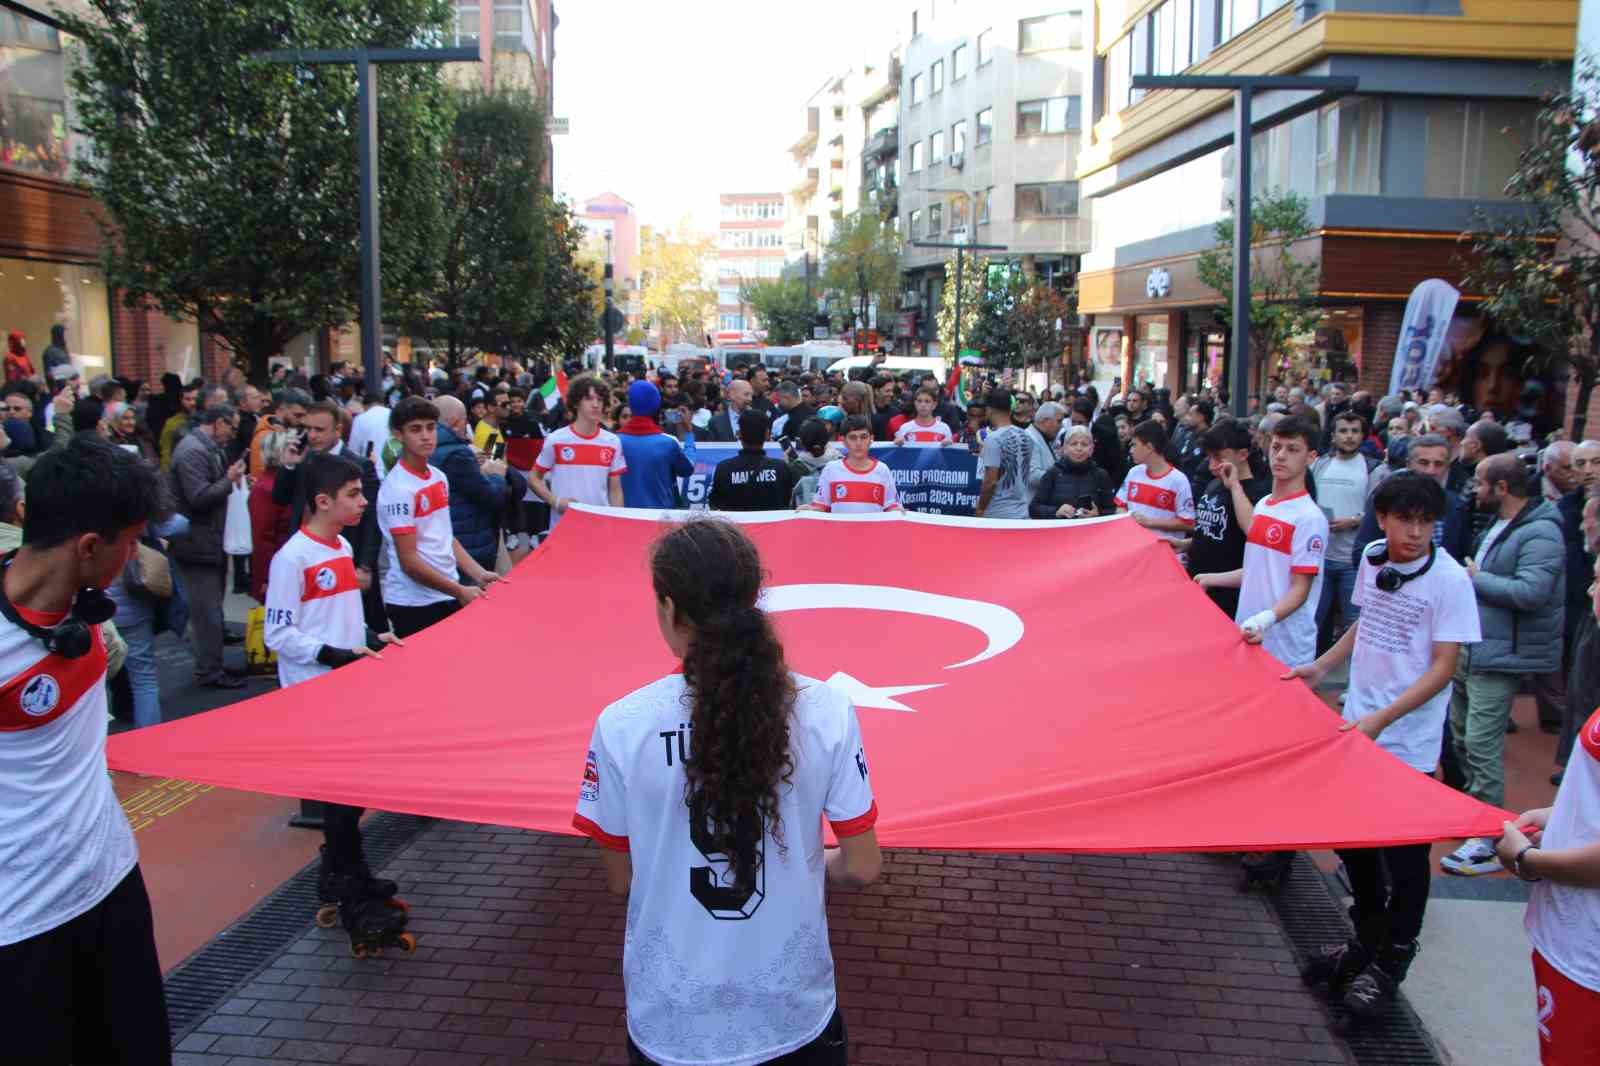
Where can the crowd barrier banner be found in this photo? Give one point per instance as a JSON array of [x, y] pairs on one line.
[[931, 480], [1021, 686]]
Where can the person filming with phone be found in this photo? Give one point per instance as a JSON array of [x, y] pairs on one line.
[[319, 434], [1074, 487]]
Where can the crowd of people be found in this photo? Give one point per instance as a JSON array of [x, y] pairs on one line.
[[1448, 562]]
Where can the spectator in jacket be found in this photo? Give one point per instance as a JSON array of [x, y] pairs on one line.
[[1517, 571], [655, 459], [1108, 450], [202, 481], [751, 480], [177, 425], [1447, 422], [321, 428], [479, 488], [128, 430], [1559, 485], [793, 411], [725, 424], [270, 521], [1345, 481], [1042, 434], [18, 366], [1429, 456], [1073, 479]]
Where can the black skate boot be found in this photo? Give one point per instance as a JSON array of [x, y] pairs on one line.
[[1379, 982], [353, 881], [1337, 964], [1265, 869], [374, 924]]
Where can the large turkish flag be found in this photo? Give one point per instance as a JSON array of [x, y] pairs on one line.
[[1021, 686]]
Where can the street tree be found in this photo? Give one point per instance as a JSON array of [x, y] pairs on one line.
[[1539, 271], [1037, 320], [1283, 287], [862, 261], [488, 274], [676, 297], [565, 317], [229, 183], [978, 325], [783, 307]]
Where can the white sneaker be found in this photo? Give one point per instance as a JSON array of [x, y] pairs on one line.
[[1474, 857]]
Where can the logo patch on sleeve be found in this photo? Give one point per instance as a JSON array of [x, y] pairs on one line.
[[591, 779]]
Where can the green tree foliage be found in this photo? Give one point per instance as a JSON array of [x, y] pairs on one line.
[[862, 260], [1283, 288], [498, 277], [1539, 271], [676, 297], [564, 319], [783, 308], [229, 183], [978, 325]]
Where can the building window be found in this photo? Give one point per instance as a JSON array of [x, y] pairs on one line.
[[958, 211], [1472, 146], [728, 295], [985, 47], [1349, 147], [1163, 24], [958, 136], [1236, 16], [916, 156], [936, 77], [1055, 115], [980, 205], [508, 27], [1054, 199], [35, 134], [1064, 30], [935, 220], [916, 224], [916, 21], [1118, 88], [985, 126], [959, 60], [916, 89], [466, 23], [936, 148]]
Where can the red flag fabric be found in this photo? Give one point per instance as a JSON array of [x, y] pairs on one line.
[[1021, 686]]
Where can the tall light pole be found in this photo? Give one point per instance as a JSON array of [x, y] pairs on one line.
[[961, 249], [607, 321], [367, 162], [1244, 87]]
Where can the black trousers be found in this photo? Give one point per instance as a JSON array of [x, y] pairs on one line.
[[409, 620], [341, 829], [88, 991], [1391, 882], [831, 1048]]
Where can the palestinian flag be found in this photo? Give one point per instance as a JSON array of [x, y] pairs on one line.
[[554, 388], [955, 387]]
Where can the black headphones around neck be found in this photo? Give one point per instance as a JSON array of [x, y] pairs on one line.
[[73, 636], [1392, 579]]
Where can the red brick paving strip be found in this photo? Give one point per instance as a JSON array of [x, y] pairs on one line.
[[951, 959]]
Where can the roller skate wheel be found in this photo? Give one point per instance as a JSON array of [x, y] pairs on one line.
[[398, 904], [327, 915], [358, 950], [409, 942]]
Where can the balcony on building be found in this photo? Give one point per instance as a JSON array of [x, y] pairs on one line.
[[884, 142], [808, 139], [806, 184]]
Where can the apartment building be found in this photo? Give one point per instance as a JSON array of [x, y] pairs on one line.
[[750, 248], [992, 110], [516, 42], [1392, 175], [610, 216]]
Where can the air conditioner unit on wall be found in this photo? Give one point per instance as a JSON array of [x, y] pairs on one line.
[[957, 160]]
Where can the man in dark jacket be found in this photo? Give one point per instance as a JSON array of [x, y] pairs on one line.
[[1517, 569], [1550, 689], [794, 410], [1074, 487], [752, 480], [202, 481], [1109, 454], [1429, 456], [478, 491], [321, 426], [724, 426]]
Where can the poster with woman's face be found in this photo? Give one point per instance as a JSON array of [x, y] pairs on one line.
[[1493, 372], [1107, 351]]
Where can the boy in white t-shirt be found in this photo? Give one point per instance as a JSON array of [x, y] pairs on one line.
[[858, 483], [580, 463], [426, 562], [926, 429], [1417, 609], [1155, 493]]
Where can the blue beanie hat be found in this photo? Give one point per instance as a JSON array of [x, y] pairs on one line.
[[644, 398]]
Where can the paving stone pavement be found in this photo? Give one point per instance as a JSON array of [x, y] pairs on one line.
[[951, 958]]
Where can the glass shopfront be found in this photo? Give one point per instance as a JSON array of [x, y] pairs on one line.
[[1150, 348], [1329, 352], [37, 295]]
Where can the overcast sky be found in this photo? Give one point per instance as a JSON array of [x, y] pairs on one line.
[[674, 103]]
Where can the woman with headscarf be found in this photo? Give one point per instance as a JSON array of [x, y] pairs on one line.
[[128, 429]]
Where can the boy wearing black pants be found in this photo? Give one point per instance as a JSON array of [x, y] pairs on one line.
[[1417, 609]]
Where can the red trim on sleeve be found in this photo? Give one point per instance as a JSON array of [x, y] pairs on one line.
[[1304, 569], [1122, 504], [1185, 521], [857, 826], [820, 507], [601, 837], [398, 530], [619, 473]]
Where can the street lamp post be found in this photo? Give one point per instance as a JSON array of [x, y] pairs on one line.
[[367, 162], [610, 307], [961, 248], [1244, 87]]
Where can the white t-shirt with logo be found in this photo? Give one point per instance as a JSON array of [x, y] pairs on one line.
[[64, 841], [1288, 536], [313, 599], [714, 974], [1563, 920], [1166, 497], [419, 505], [929, 436], [580, 468], [1394, 647], [841, 490]]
